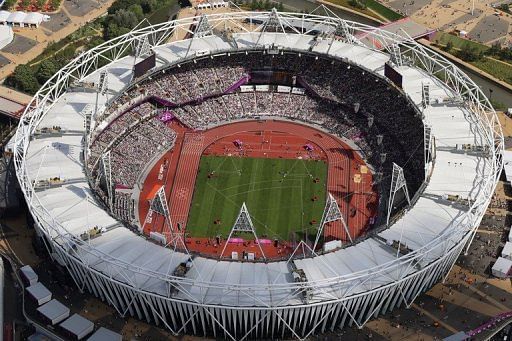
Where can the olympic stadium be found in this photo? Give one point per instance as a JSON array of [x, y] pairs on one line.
[[258, 174]]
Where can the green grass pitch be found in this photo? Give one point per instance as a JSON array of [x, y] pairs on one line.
[[278, 194]]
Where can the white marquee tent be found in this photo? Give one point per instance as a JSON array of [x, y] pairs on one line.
[[22, 19], [6, 36]]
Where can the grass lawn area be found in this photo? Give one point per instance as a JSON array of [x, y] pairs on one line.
[[277, 193], [443, 38], [498, 69], [371, 5], [383, 10], [162, 14], [345, 3]]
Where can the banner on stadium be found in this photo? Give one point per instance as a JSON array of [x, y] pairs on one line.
[[247, 88], [298, 91], [262, 88]]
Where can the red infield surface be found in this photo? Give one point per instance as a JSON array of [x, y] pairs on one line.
[[349, 180]]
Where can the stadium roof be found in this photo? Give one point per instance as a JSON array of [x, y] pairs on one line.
[[6, 35], [71, 204], [507, 164], [9, 107], [104, 334], [29, 274], [4, 15], [22, 18], [78, 326], [54, 311], [39, 292]]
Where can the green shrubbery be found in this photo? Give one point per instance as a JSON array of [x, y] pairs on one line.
[[8, 4], [122, 17]]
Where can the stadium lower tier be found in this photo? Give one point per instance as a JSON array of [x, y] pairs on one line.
[[282, 170]]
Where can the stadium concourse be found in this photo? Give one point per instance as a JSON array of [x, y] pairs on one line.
[[428, 136], [177, 170]]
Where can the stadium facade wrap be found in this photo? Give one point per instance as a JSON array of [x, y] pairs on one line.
[[245, 300]]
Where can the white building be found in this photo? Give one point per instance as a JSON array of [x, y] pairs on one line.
[[6, 35], [22, 19], [502, 267], [507, 251]]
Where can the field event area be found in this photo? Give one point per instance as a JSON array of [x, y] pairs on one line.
[[283, 196]]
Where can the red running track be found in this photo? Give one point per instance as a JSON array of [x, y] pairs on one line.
[[349, 180]]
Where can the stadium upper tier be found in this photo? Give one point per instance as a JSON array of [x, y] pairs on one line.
[[243, 299]]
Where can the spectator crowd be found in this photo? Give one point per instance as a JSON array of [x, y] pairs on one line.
[[345, 99]]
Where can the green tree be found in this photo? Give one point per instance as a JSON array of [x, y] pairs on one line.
[[148, 6], [494, 50], [469, 53], [121, 4], [40, 3], [47, 69], [24, 79], [25, 3], [280, 7], [505, 53], [137, 10], [8, 4], [449, 46], [55, 4], [113, 30], [125, 18]]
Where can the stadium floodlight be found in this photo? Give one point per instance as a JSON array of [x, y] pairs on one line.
[[396, 55], [425, 95], [331, 213], [427, 144], [272, 24], [343, 31], [243, 223], [103, 82], [397, 183], [159, 203], [143, 48], [203, 29], [107, 175]]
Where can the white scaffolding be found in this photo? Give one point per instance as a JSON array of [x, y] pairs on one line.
[[397, 183], [243, 223], [103, 82], [396, 55], [331, 213]]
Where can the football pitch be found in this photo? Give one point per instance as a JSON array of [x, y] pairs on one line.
[[278, 193]]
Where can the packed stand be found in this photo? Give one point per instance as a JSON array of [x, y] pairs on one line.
[[198, 91]]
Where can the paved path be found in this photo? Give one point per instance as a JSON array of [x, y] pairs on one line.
[[40, 35], [484, 24]]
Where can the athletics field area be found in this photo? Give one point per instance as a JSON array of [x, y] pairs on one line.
[[283, 196]]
